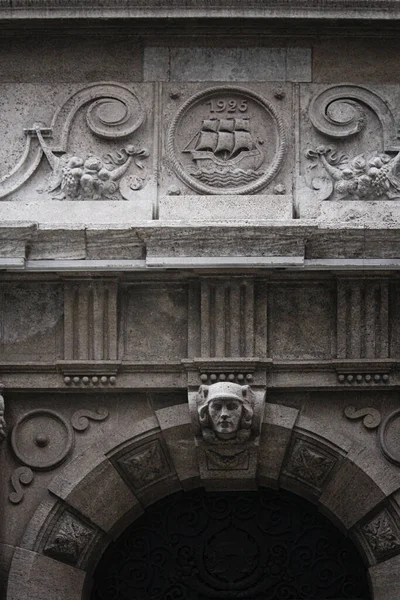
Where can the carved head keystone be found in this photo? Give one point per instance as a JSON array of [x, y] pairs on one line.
[[225, 411]]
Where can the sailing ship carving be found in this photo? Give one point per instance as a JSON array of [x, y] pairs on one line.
[[225, 153]]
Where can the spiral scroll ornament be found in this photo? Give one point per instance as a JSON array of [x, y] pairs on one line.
[[42, 440], [339, 112]]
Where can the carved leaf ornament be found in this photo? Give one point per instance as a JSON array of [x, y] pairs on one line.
[[338, 113], [114, 112]]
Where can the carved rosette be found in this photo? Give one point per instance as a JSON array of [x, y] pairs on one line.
[[309, 464], [381, 536], [226, 418], [226, 140]]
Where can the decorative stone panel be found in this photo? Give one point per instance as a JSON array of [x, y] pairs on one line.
[[90, 329], [69, 539], [380, 536], [309, 463], [362, 318], [144, 465], [227, 318]]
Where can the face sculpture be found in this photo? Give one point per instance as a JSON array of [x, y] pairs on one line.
[[225, 412]]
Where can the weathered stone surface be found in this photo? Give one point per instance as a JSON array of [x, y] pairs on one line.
[[42, 577], [276, 432], [92, 486], [227, 64], [205, 208], [384, 579]]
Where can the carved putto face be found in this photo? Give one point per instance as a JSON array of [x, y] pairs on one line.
[[225, 412]]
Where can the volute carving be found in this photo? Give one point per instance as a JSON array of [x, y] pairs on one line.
[[114, 112], [340, 113], [42, 439]]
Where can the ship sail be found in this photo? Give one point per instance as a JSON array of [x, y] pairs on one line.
[[243, 141], [208, 140], [226, 142], [225, 138]]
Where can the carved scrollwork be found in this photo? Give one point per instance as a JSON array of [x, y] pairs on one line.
[[372, 419], [22, 475], [80, 418], [114, 112], [42, 439], [338, 112], [371, 416]]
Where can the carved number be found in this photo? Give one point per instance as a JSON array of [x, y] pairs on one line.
[[230, 106]]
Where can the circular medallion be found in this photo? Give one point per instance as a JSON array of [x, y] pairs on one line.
[[41, 439], [226, 140]]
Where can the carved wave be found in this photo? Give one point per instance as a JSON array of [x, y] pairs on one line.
[[219, 178]]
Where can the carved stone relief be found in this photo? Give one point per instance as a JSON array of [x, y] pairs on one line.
[[69, 539], [352, 150], [309, 464], [226, 417], [225, 412], [114, 112], [226, 140], [42, 439], [372, 419], [144, 465], [382, 535]]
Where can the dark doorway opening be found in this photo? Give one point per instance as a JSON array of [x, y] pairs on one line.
[[263, 545]]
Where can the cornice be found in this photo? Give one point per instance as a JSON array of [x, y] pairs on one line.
[[200, 9]]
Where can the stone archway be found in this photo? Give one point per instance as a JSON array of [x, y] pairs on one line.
[[226, 545], [104, 489]]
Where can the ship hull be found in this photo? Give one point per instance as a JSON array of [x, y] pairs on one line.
[[234, 172]]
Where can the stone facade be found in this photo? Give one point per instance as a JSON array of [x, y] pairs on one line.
[[199, 245]]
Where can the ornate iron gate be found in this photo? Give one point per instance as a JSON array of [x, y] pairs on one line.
[[263, 545]]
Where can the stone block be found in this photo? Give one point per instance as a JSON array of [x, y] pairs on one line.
[[384, 579], [276, 432], [36, 576], [92, 486], [40, 59], [227, 64], [143, 307], [207, 208], [178, 434]]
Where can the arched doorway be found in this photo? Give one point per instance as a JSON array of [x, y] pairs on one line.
[[264, 545]]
